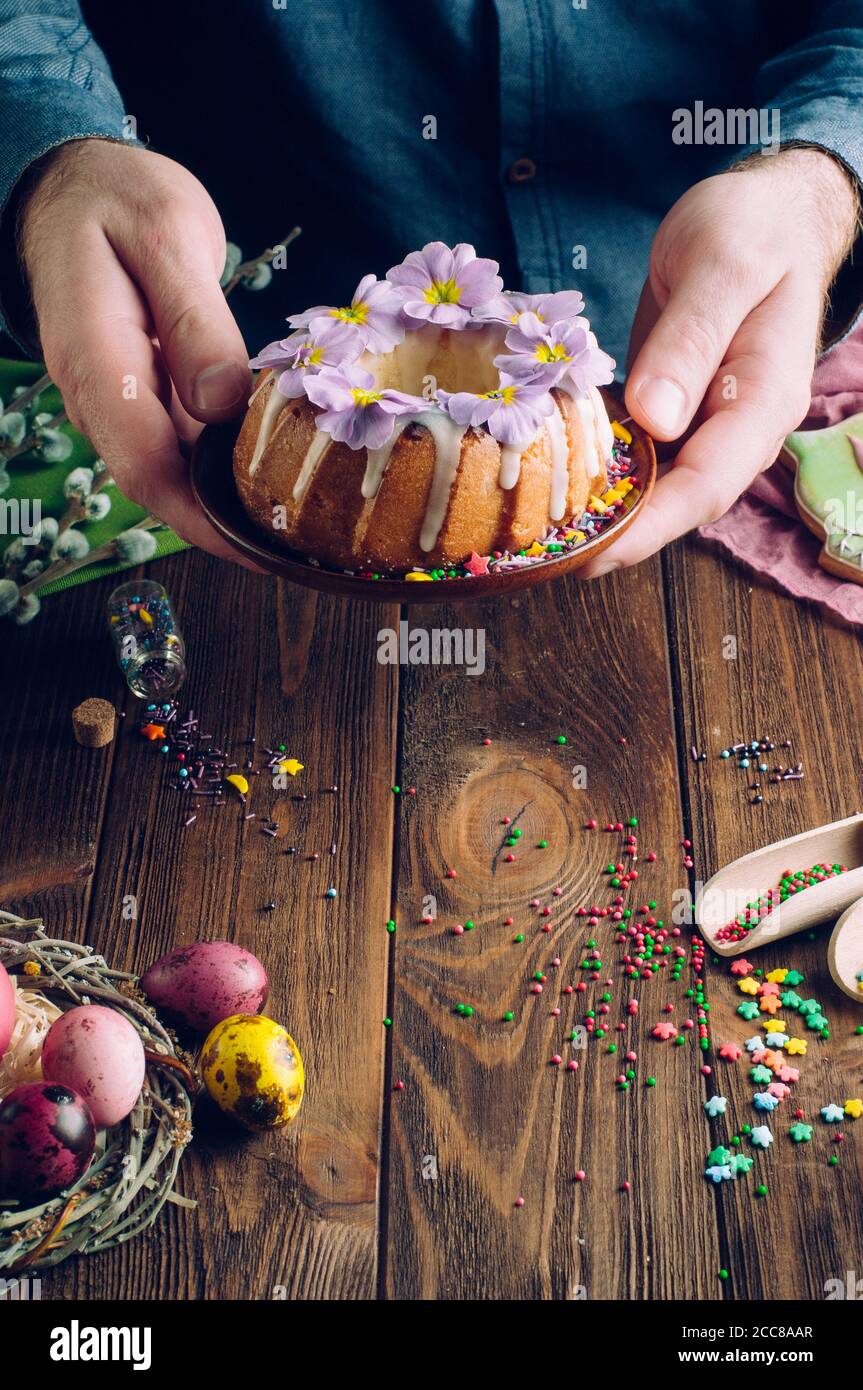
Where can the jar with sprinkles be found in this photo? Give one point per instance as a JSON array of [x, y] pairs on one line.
[[147, 639]]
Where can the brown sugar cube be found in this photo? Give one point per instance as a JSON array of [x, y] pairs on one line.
[[93, 722]]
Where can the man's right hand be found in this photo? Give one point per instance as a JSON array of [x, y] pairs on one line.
[[123, 250]]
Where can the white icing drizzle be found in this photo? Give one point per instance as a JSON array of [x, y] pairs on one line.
[[447, 436], [603, 424], [315, 452], [272, 410], [510, 466], [586, 412], [559, 463], [377, 459]]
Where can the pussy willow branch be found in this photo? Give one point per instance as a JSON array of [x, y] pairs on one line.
[[108, 551], [248, 267]]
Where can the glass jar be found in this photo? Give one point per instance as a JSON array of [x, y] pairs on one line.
[[147, 639]]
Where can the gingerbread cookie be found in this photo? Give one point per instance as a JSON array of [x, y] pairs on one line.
[[828, 490]]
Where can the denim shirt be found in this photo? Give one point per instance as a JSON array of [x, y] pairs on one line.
[[552, 134]]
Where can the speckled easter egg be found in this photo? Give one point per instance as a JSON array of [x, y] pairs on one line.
[[198, 986], [98, 1053], [7, 1009], [47, 1138], [253, 1070]]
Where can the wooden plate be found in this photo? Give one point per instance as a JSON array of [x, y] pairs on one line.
[[212, 477]]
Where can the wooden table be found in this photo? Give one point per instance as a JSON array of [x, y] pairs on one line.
[[410, 1193]]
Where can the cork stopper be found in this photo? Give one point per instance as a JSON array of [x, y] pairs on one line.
[[93, 722]]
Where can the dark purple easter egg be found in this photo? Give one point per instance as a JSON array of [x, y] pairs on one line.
[[47, 1138]]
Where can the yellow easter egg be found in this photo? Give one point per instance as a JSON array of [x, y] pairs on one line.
[[418, 577], [253, 1070]]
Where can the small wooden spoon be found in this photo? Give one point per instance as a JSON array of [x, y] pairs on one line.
[[729, 891], [845, 952]]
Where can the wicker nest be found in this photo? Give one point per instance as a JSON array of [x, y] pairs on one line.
[[135, 1165]]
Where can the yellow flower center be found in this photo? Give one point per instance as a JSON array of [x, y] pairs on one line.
[[314, 355], [364, 398], [505, 394], [443, 292], [352, 313], [556, 352]]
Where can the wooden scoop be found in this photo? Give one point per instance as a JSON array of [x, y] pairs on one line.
[[845, 952], [728, 891]]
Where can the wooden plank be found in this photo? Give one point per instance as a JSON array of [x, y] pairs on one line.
[[481, 1107], [292, 1214], [752, 662]]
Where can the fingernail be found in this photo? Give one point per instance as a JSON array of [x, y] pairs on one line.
[[219, 387], [604, 568], [664, 403]]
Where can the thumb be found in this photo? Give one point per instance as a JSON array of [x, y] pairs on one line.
[[683, 352], [198, 335]]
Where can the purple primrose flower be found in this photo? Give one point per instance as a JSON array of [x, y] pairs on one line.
[[353, 411], [374, 310], [513, 411], [441, 285], [324, 344], [548, 308]]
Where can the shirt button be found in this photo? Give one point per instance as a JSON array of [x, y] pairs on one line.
[[521, 170]]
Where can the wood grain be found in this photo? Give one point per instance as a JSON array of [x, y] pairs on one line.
[[794, 676], [480, 1095], [294, 1212]]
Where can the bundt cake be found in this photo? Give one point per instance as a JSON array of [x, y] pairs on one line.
[[434, 418]]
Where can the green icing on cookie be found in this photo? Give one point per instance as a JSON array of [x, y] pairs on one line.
[[829, 484]]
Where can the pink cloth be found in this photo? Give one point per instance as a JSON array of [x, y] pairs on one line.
[[763, 529]]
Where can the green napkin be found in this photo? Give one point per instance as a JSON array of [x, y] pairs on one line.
[[31, 477]]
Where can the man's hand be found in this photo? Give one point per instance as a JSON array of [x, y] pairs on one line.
[[727, 330], [123, 251]]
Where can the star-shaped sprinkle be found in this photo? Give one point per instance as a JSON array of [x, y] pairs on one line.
[[741, 1163], [754, 1044], [791, 999], [719, 1172], [816, 1022], [776, 977], [742, 967], [477, 564], [773, 1025], [768, 989], [153, 731], [809, 1006], [832, 1114], [762, 1137], [779, 1090], [291, 765], [665, 1031], [794, 978], [716, 1105], [770, 1004], [787, 1074], [729, 1052], [535, 550], [760, 1074], [800, 1133], [777, 1039], [748, 1010], [854, 1109], [773, 1060], [748, 985], [762, 1100], [757, 1057], [719, 1157], [797, 1047]]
